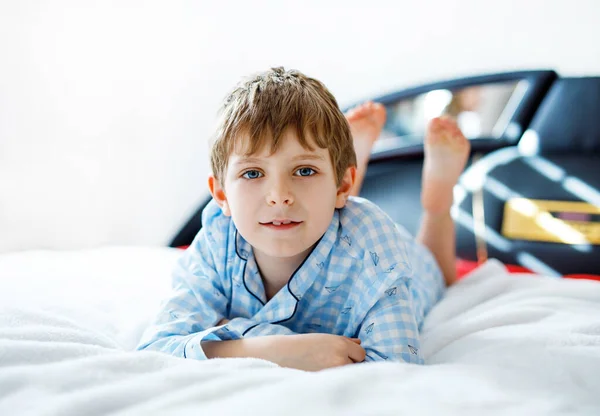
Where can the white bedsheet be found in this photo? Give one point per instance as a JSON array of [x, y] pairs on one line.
[[496, 344]]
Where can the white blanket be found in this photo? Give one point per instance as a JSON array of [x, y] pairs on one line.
[[496, 344]]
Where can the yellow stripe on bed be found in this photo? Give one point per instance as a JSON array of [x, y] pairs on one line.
[[551, 221]]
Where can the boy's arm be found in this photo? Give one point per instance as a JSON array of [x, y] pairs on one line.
[[397, 269], [390, 330], [197, 304], [309, 352]]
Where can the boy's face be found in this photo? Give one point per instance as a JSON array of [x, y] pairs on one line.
[[282, 203]]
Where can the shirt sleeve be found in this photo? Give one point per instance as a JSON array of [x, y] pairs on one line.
[[389, 330], [197, 303]]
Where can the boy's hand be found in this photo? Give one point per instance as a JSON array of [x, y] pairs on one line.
[[311, 352]]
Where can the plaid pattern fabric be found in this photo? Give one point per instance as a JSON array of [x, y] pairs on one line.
[[365, 278]]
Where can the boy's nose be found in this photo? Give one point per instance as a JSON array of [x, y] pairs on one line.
[[280, 195]]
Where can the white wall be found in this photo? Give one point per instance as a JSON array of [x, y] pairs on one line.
[[105, 106]]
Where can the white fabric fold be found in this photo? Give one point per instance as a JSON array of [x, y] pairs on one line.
[[496, 344]]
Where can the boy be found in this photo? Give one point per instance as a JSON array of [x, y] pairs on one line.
[[288, 267]]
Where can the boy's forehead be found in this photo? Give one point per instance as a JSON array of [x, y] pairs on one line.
[[245, 146]]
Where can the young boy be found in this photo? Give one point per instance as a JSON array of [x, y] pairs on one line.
[[289, 267]]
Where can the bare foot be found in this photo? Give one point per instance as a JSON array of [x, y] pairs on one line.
[[366, 122], [446, 153]]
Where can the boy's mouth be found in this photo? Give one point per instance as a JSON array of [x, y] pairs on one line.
[[281, 224]]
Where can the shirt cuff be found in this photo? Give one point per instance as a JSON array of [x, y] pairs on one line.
[[193, 346]]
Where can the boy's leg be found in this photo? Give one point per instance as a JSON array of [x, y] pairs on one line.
[[366, 122], [446, 153]]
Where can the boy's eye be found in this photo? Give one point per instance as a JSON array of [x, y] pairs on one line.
[[305, 172], [252, 174]]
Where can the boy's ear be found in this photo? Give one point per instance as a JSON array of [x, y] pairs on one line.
[[218, 194], [345, 187]]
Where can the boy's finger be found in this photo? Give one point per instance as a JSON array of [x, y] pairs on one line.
[[356, 340], [356, 353]]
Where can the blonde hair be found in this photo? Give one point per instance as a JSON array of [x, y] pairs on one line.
[[263, 107]]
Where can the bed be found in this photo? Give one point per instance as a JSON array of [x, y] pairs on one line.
[[497, 343]]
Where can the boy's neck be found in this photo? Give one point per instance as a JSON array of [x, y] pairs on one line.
[[277, 271]]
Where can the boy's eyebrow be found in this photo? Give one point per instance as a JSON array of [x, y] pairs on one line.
[[309, 156], [247, 161]]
